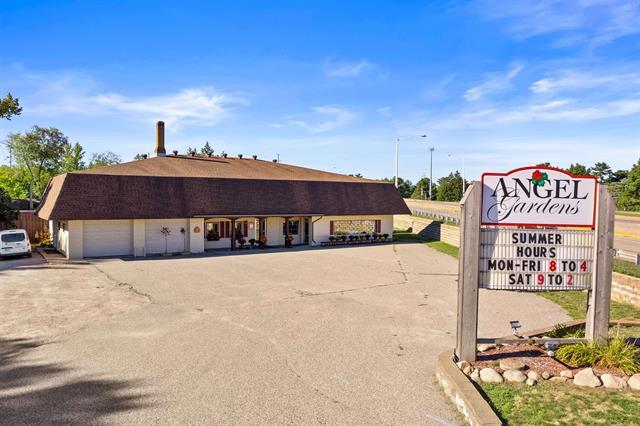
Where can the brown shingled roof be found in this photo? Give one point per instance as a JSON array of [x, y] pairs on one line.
[[171, 187]]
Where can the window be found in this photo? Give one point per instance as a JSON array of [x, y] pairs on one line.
[[213, 231], [13, 238], [354, 226], [294, 225]]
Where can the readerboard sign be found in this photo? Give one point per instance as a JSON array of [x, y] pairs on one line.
[[536, 259], [538, 196]]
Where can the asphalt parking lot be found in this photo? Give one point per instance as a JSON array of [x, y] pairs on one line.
[[339, 335]]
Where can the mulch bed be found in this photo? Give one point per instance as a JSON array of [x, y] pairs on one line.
[[532, 356]]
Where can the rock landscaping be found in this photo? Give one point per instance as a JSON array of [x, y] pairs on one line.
[[530, 364]]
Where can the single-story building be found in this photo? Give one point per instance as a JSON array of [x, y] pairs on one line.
[[182, 203]]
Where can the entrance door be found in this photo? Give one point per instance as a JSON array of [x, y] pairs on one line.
[[306, 230]]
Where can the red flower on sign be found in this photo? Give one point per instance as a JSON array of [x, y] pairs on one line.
[[537, 175]]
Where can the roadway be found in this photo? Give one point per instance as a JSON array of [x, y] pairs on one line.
[[627, 233]]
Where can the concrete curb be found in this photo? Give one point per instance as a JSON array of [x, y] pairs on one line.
[[463, 393]]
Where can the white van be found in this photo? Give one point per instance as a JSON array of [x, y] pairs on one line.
[[14, 242]]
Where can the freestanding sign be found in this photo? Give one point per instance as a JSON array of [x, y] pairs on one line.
[[534, 229], [538, 196]]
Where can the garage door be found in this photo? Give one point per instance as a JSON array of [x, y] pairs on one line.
[[175, 240], [107, 238]]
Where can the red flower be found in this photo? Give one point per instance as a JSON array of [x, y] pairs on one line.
[[537, 175]]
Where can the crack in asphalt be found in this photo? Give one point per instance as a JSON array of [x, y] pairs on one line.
[[129, 287]]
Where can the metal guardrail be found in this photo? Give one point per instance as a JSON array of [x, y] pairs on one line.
[[628, 256]]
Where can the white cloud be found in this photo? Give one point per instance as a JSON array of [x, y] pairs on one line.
[[333, 69], [579, 80], [323, 119], [64, 93], [494, 82], [586, 22]]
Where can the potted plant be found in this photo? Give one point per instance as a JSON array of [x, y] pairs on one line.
[[367, 237], [332, 239], [287, 240], [253, 242], [351, 238], [386, 236], [262, 241], [213, 236], [343, 238], [242, 242]]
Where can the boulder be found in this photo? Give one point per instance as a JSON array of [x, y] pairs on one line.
[[586, 378], [514, 376], [613, 382], [534, 375], [475, 375], [489, 375], [485, 347], [559, 379], [467, 369], [546, 375], [531, 382], [462, 364], [566, 373], [511, 364], [634, 382]]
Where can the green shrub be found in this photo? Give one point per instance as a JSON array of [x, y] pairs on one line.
[[615, 354]]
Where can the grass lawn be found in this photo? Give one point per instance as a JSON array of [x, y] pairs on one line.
[[626, 268], [575, 303], [561, 404], [626, 213], [400, 235]]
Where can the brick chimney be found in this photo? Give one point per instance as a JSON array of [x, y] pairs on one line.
[[160, 150]]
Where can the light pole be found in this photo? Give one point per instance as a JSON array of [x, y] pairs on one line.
[[431, 149], [397, 141]]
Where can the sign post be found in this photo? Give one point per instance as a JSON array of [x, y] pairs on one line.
[[597, 326], [534, 229]]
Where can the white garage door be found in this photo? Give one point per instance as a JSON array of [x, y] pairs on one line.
[[107, 238], [175, 240]]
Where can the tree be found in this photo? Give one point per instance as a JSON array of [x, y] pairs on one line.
[[8, 213], [421, 190], [102, 159], [630, 195], [619, 175], [450, 187], [192, 152], [14, 182], [140, 156], [9, 106], [72, 158], [38, 152], [602, 171], [405, 187], [578, 170], [206, 149]]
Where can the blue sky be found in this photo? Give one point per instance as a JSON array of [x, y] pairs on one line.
[[330, 85]]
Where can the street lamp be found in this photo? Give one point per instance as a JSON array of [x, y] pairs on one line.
[[397, 143], [431, 149]]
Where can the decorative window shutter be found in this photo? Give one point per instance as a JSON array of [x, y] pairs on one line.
[[245, 230], [378, 225], [227, 225], [330, 227]]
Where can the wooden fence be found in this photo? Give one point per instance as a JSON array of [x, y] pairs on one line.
[[28, 221]]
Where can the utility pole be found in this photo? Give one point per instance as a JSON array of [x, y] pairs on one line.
[[397, 141], [431, 172], [278, 157]]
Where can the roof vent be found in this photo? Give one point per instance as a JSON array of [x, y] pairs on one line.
[[240, 156], [144, 156], [255, 157], [274, 160], [224, 154], [209, 154], [175, 152]]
